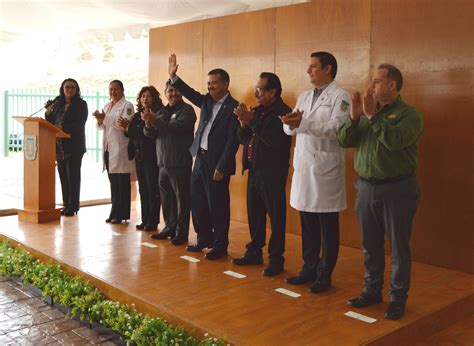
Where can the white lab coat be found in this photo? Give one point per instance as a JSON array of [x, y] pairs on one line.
[[318, 183], [114, 140]]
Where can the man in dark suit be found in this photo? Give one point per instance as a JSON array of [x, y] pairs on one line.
[[173, 128], [266, 155], [214, 146]]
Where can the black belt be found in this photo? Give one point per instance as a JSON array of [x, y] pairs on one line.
[[386, 180], [202, 151]]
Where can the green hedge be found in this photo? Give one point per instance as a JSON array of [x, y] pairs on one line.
[[89, 304]]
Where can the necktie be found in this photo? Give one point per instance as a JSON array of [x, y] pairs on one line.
[[316, 94]]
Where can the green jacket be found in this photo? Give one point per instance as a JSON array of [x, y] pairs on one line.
[[386, 146]]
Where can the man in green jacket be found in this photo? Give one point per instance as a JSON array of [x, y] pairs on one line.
[[385, 132]]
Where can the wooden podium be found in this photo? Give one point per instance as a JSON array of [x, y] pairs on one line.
[[39, 149]]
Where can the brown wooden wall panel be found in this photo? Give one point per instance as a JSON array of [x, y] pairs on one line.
[[431, 42], [341, 27], [186, 41], [244, 46]]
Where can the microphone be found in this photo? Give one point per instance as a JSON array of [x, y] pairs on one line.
[[48, 103], [52, 102]]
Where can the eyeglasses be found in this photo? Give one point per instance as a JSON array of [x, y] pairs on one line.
[[259, 89]]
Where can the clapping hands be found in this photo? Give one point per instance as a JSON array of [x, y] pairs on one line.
[[148, 117], [123, 123], [363, 105], [244, 114], [293, 119], [99, 116]]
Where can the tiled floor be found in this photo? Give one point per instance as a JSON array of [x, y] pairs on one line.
[[26, 319]]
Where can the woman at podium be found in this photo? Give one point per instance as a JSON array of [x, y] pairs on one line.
[[143, 149], [114, 146], [69, 112]]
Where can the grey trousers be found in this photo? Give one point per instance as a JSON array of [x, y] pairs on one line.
[[389, 209]]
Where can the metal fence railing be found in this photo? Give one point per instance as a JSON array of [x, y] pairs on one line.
[[23, 102]]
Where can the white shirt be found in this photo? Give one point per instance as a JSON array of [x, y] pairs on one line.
[[215, 109]]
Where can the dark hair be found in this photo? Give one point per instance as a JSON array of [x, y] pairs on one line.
[[325, 59], [273, 82], [393, 73], [118, 82], [61, 88], [156, 104], [222, 74], [168, 84]]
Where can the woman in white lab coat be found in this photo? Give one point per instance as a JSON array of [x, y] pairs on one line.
[[114, 146]]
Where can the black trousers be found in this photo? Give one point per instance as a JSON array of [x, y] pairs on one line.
[[120, 191], [175, 197], [313, 226], [210, 206], [69, 171], [147, 174], [266, 195]]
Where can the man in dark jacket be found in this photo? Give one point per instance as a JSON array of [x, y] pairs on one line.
[[266, 155], [173, 127], [215, 144]]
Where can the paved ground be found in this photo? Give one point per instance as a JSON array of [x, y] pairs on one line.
[[27, 320]]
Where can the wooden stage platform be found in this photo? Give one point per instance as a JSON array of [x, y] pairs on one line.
[[247, 311]]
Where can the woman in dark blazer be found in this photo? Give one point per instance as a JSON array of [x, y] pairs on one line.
[[69, 112], [143, 149]]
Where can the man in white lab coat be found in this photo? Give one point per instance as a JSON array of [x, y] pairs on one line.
[[318, 184]]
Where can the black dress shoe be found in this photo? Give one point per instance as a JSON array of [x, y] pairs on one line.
[[108, 220], [150, 228], [70, 212], [216, 254], [140, 226], [198, 247], [246, 260], [300, 279], [320, 286], [116, 221], [395, 310], [164, 234], [365, 299], [273, 269], [178, 241]]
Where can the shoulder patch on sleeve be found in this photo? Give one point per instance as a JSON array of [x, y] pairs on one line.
[[344, 106], [129, 111]]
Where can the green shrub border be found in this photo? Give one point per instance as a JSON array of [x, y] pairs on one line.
[[89, 304]]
